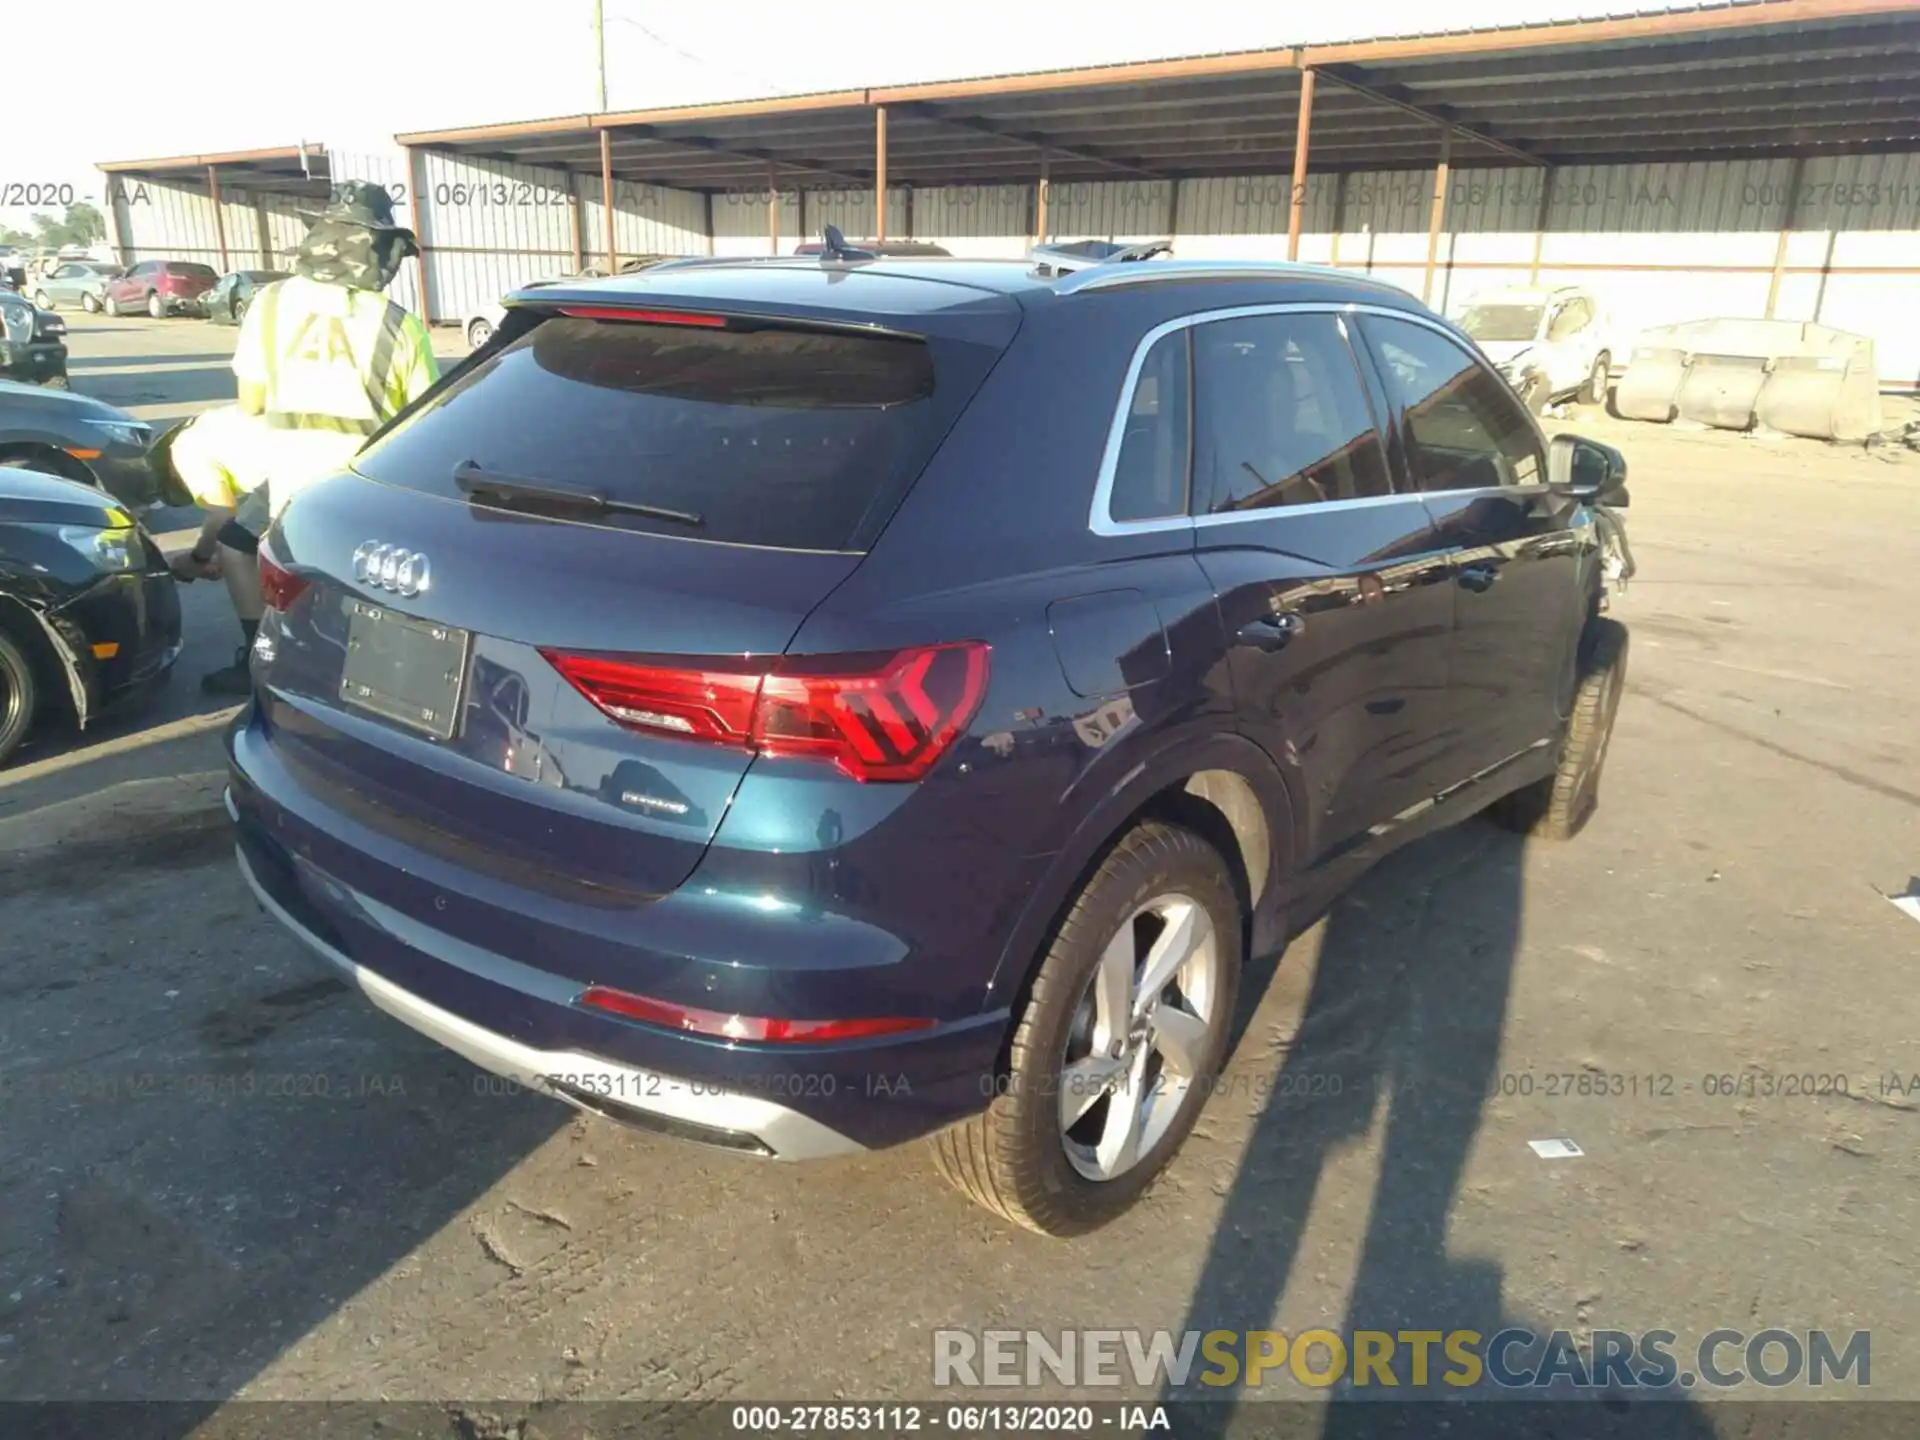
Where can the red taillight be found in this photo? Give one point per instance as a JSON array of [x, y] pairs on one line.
[[754, 1029], [644, 317], [878, 717], [279, 587]]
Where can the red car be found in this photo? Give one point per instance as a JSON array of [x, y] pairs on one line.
[[160, 287]]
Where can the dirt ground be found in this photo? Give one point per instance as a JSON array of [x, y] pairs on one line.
[[224, 1176]]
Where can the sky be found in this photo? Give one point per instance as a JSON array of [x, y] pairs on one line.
[[352, 73]]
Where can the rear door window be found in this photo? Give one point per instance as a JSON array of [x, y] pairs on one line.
[[1283, 418], [772, 435], [1464, 428]]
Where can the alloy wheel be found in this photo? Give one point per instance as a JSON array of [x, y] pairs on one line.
[[1139, 1036]]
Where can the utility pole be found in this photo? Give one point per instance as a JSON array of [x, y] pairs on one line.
[[600, 52]]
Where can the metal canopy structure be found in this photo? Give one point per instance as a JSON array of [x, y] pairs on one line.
[[1764, 77], [287, 170]]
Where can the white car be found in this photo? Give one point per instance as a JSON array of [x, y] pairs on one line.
[[1549, 341]]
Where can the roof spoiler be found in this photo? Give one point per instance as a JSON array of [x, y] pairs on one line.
[[1050, 261]]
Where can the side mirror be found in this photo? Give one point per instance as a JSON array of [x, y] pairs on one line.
[[1587, 471]]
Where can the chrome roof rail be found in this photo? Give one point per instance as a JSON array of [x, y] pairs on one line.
[[1106, 277]]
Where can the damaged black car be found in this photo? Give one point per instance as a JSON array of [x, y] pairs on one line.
[[89, 616]]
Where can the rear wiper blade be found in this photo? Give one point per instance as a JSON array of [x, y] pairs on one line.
[[475, 481]]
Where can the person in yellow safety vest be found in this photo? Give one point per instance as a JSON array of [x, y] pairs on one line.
[[323, 360]]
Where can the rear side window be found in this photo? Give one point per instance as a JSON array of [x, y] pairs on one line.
[[785, 437], [1150, 477], [1465, 430], [1283, 419]]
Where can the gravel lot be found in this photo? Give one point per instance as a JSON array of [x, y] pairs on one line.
[[224, 1175]]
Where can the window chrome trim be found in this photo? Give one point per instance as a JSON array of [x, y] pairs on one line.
[[1100, 516]]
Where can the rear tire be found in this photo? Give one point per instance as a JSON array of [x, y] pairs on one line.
[[156, 307], [1023, 1158], [478, 333], [19, 696], [111, 306], [43, 300], [89, 304], [1558, 806], [239, 309]]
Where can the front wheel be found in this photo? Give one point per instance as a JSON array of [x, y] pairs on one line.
[[43, 300], [1559, 806], [1118, 1044], [479, 332], [156, 307], [18, 696], [1595, 390]]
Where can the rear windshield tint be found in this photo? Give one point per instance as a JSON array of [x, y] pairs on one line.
[[773, 436], [192, 272]]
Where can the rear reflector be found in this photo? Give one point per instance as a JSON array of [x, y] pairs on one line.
[[644, 317], [886, 716], [754, 1029], [279, 587]]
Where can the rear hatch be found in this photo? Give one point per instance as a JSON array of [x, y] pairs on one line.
[[674, 489]]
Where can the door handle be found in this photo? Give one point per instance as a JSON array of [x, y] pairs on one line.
[[1271, 632], [1479, 578]]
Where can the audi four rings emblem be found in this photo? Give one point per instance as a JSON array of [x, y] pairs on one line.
[[404, 572]]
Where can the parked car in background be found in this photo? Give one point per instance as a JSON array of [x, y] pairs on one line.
[[227, 302], [33, 343], [13, 270], [805, 705], [1548, 342], [484, 321], [89, 614], [79, 437], [159, 287], [76, 282]]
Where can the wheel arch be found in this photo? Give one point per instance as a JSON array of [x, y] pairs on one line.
[[1226, 788], [55, 667]]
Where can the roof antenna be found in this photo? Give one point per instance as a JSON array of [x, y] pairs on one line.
[[834, 246]]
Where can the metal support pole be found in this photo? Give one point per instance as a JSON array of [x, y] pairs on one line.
[[219, 220], [1540, 223], [414, 171], [800, 204], [606, 197], [1040, 203], [1297, 197], [906, 200], [579, 227], [773, 211], [600, 54], [880, 172], [263, 232], [1173, 208], [1438, 213], [1339, 216], [1786, 230], [707, 208]]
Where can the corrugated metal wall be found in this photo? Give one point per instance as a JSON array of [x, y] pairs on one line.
[[1659, 242], [490, 227]]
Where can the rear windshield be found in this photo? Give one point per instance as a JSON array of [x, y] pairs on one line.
[[194, 272], [772, 436]]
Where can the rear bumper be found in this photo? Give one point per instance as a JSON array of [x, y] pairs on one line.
[[686, 1109], [494, 972]]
